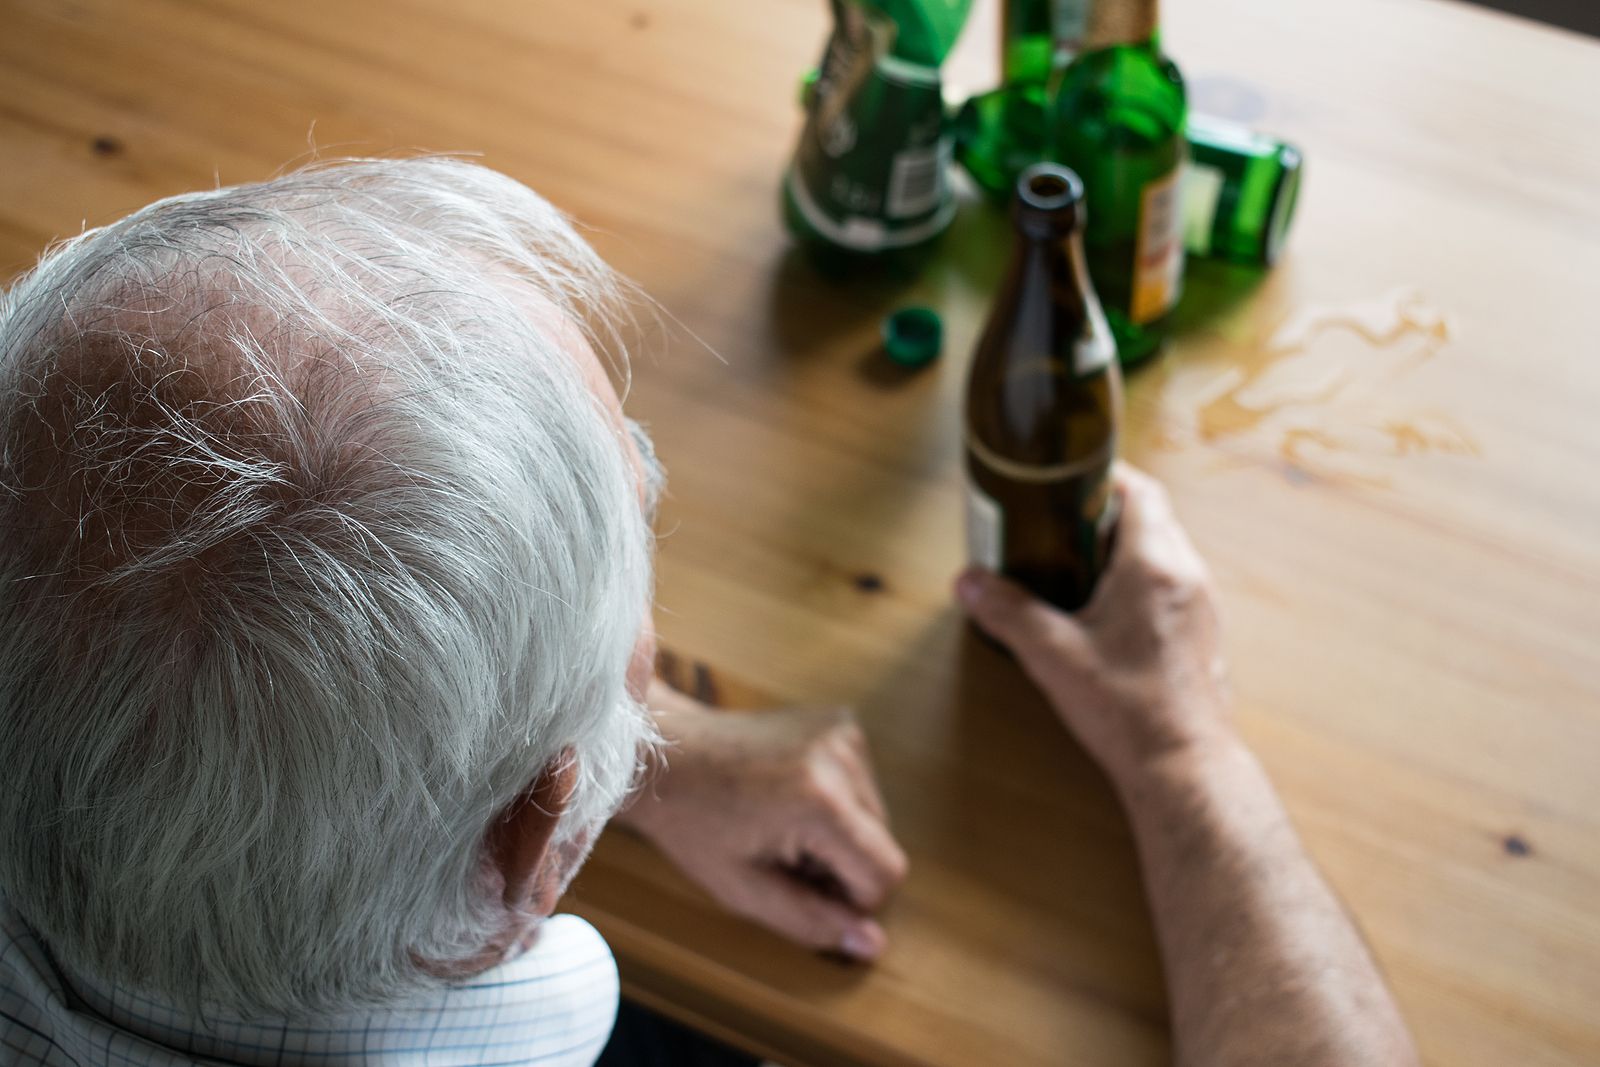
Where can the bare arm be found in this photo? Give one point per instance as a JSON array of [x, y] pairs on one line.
[[1263, 964]]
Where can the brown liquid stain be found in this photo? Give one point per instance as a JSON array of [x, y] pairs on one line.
[[1443, 435], [1323, 387]]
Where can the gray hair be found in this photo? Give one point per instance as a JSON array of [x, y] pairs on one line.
[[314, 551]]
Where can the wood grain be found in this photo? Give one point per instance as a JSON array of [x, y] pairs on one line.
[[1405, 529]]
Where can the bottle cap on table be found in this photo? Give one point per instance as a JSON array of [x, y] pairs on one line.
[[913, 336]]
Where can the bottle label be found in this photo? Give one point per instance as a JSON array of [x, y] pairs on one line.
[[1202, 190], [916, 179], [1158, 256], [1041, 473], [1123, 22], [1077, 496], [1068, 19], [872, 169], [1097, 348], [985, 528]]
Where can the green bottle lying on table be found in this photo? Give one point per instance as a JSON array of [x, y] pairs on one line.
[[1239, 192]]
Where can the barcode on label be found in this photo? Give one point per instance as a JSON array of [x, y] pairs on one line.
[[916, 178]]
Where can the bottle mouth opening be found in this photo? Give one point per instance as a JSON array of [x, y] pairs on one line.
[[1049, 187]]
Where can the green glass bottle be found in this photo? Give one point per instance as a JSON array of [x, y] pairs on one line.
[[1118, 120], [869, 181], [1239, 187], [1239, 192], [1038, 37], [1001, 133]]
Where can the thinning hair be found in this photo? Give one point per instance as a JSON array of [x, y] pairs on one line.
[[314, 551]]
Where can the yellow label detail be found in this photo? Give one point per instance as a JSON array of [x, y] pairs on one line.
[[1158, 255]]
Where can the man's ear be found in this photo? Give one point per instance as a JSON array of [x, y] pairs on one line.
[[518, 844]]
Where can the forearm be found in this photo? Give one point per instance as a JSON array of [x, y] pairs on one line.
[[1263, 964]]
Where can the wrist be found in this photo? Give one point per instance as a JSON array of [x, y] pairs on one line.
[[677, 719], [1197, 764]]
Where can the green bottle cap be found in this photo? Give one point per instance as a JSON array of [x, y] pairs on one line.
[[913, 336]]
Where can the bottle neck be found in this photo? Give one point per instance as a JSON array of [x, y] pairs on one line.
[[1047, 263], [1037, 226], [1121, 22]]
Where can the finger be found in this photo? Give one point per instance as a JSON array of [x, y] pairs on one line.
[[857, 763], [1148, 534], [1034, 630], [864, 787], [857, 849], [1144, 501], [777, 901]]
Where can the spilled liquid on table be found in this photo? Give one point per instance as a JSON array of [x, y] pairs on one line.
[[1326, 391]]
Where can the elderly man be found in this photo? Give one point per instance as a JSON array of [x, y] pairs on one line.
[[325, 653]]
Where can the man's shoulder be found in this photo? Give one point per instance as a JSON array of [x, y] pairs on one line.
[[552, 1005], [34, 1003]]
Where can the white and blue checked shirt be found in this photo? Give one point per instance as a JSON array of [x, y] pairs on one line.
[[552, 1006]]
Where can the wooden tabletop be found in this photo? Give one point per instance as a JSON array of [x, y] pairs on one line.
[[1387, 448]]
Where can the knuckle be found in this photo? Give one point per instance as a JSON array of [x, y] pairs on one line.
[[849, 731], [1166, 578], [1154, 492], [819, 931], [817, 792], [1174, 578], [869, 893], [897, 865], [1033, 635]]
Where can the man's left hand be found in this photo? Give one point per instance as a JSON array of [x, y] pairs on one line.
[[776, 814]]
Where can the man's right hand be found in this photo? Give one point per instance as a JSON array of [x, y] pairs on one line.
[[1263, 964], [1138, 674]]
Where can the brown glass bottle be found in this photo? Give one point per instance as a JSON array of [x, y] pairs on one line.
[[1042, 405]]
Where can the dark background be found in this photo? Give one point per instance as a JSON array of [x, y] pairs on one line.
[[1581, 15]]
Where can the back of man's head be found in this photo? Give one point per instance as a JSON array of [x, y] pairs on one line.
[[314, 550]]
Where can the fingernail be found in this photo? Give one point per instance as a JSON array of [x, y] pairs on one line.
[[860, 943], [969, 587]]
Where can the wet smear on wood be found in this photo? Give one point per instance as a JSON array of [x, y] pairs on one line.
[[1322, 391]]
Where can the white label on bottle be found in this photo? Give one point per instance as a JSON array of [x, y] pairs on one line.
[[1158, 257], [1202, 190], [985, 528], [1068, 18], [916, 177], [1095, 348]]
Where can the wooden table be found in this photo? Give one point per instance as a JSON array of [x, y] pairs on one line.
[[1404, 514]]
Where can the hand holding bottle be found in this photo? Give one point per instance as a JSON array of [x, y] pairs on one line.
[[1263, 963], [1138, 674]]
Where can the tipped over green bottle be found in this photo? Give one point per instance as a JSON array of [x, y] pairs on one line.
[[869, 182]]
